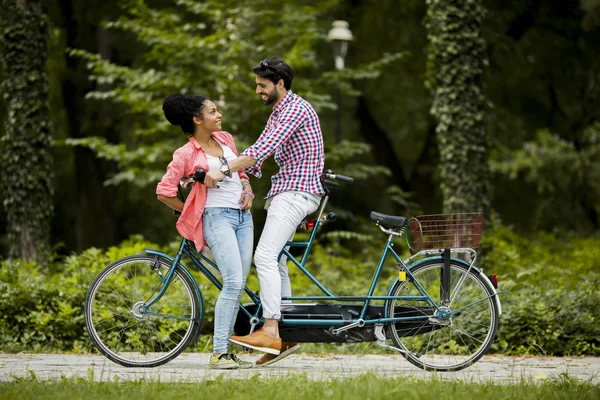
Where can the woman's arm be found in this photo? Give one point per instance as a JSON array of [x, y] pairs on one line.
[[166, 190], [247, 195], [172, 202]]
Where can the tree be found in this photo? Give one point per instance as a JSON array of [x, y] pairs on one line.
[[210, 48], [543, 82], [457, 59], [25, 157], [206, 48], [86, 210]]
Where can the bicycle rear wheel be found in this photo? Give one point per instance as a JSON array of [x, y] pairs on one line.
[[436, 344], [122, 331]]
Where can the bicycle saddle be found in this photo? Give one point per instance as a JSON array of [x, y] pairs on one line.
[[388, 221]]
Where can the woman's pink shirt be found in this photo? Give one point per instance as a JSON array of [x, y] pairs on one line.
[[186, 160]]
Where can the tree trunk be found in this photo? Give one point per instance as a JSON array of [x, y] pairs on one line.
[[383, 148], [457, 59], [25, 158], [95, 214]]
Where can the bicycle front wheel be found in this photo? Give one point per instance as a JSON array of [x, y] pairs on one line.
[[444, 344], [126, 334]]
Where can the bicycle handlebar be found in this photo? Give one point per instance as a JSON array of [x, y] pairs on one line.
[[331, 184], [198, 176], [328, 174]]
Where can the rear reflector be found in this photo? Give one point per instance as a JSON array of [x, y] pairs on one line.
[[494, 280]]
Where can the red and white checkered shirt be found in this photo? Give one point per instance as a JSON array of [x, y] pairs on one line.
[[293, 133]]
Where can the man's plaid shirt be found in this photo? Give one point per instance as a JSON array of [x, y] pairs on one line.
[[293, 133]]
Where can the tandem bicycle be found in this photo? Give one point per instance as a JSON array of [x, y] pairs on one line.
[[440, 312]]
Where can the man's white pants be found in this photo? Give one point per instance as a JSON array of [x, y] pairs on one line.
[[285, 213]]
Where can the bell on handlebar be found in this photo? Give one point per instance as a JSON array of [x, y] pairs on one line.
[[199, 175]]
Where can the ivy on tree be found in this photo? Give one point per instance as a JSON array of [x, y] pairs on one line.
[[456, 62], [25, 157]]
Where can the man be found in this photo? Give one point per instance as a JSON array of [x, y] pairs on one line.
[[293, 133]]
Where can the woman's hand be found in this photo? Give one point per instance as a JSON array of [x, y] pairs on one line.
[[213, 177], [245, 202]]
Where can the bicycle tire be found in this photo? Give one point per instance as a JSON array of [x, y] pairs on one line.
[[449, 346], [126, 335]]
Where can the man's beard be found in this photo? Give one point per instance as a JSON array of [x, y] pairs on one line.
[[271, 98]]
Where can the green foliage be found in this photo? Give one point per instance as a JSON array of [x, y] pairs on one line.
[[542, 86], [404, 200], [25, 160], [296, 385], [301, 385], [549, 305], [592, 17], [561, 173], [347, 77], [456, 61], [553, 288], [204, 48], [208, 48], [341, 156], [538, 163], [41, 309]]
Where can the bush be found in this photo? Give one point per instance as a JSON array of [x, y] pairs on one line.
[[42, 308], [549, 304], [551, 293]]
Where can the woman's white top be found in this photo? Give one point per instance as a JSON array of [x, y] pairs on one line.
[[230, 189]]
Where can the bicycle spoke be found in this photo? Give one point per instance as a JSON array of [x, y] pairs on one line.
[[119, 326], [444, 343], [111, 328], [124, 298], [111, 317], [471, 337]]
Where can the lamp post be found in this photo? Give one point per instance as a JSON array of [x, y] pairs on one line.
[[339, 35]]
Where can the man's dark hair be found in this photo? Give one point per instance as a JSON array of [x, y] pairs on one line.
[[274, 69], [181, 110]]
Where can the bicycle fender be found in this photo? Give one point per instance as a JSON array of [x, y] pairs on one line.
[[153, 252], [480, 272], [486, 280], [496, 296]]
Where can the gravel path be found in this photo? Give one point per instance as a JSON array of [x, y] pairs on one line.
[[191, 367]]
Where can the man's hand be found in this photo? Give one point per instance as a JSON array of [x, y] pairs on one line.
[[245, 202], [213, 177]]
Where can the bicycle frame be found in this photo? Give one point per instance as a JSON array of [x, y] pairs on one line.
[[197, 258]]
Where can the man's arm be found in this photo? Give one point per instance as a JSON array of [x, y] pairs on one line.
[[242, 162], [289, 121], [215, 176]]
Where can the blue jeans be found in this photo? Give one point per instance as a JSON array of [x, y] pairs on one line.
[[230, 235]]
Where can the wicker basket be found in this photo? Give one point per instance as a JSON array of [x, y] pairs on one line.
[[446, 231]]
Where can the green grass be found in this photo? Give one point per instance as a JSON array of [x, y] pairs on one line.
[[367, 386]]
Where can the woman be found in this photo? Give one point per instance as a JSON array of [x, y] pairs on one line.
[[220, 217]]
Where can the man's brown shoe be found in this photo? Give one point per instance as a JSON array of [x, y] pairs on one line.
[[286, 350], [260, 341]]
